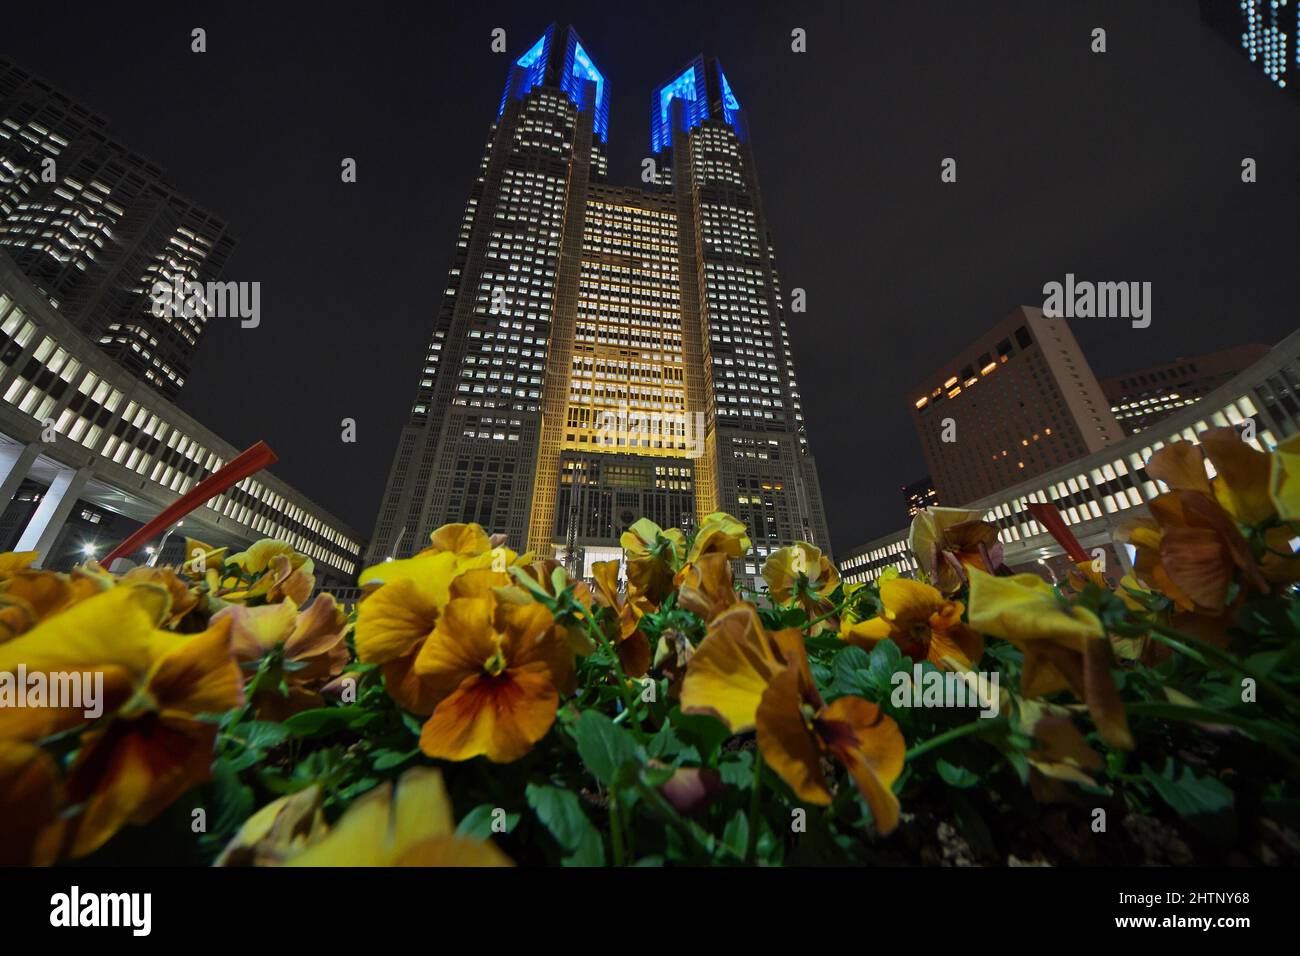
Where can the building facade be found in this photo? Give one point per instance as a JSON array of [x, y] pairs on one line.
[[920, 494], [602, 352], [1095, 493], [1018, 401], [1140, 399], [96, 227], [89, 453]]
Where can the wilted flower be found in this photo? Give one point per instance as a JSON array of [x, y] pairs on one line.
[[705, 586], [947, 541], [1193, 548], [1064, 646], [307, 646], [719, 533], [632, 646], [802, 574], [654, 556]]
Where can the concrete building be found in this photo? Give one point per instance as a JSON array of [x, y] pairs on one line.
[[1095, 492], [95, 226], [1018, 401], [85, 445], [1142, 398], [603, 352], [920, 494]]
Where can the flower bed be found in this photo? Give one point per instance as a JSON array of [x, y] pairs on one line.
[[482, 707]]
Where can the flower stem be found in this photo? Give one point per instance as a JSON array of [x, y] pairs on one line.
[[629, 699], [948, 736], [1199, 650], [831, 613], [1203, 715]]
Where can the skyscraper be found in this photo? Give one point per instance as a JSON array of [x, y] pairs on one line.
[[604, 352], [95, 226], [1140, 399], [1018, 401], [1264, 32]]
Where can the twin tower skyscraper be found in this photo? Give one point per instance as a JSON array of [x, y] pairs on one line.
[[603, 353]]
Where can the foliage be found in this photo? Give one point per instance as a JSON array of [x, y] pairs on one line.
[[658, 714]]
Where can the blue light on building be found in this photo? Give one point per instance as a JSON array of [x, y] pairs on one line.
[[1265, 31], [578, 69], [730, 105], [534, 66], [691, 88]]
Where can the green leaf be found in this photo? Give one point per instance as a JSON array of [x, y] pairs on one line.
[[477, 824], [260, 734], [1188, 794], [232, 802], [605, 747], [561, 813], [387, 759], [326, 720], [706, 734], [851, 671], [735, 836], [737, 769], [955, 776]]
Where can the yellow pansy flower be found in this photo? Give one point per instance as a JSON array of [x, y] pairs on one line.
[[924, 625]]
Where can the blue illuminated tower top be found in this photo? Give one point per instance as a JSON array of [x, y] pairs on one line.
[[566, 65], [703, 93]]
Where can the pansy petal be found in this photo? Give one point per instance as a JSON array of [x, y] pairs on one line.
[[731, 669], [789, 746]]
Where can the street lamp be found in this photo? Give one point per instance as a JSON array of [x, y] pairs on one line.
[[155, 555]]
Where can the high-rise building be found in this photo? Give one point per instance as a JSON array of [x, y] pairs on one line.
[[918, 495], [1018, 401], [1263, 31], [606, 352], [96, 226], [1142, 398]]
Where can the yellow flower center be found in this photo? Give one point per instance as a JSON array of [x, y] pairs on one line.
[[495, 664], [809, 715]]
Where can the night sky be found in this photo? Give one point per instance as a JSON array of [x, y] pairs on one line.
[[1120, 166]]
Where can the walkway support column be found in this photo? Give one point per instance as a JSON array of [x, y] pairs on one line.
[[52, 513], [15, 462]]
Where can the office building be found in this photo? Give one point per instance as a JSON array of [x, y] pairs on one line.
[[605, 352], [88, 453], [1018, 401], [918, 495], [1142, 398], [95, 227]]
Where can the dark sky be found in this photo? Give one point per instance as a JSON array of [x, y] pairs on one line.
[[1122, 166]]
